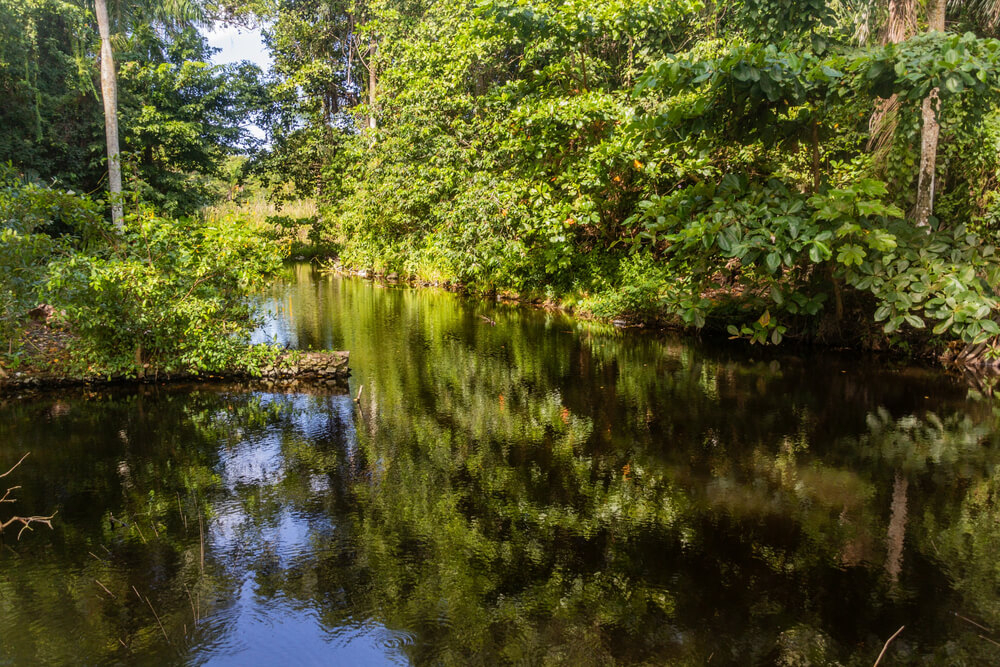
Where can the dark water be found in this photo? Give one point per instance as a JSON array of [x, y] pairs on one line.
[[541, 491]]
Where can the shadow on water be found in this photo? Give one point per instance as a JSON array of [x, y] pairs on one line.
[[536, 491]]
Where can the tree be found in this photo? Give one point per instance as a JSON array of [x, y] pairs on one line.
[[901, 24], [109, 94], [930, 132]]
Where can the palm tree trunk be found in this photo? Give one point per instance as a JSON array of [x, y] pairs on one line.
[[930, 132], [109, 93], [900, 26], [902, 21], [372, 82]]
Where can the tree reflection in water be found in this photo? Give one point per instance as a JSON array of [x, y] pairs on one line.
[[540, 491]]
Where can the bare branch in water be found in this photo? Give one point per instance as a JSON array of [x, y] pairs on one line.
[[25, 521], [15, 465], [887, 642]]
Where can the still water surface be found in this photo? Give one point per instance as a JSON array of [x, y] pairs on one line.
[[541, 491]]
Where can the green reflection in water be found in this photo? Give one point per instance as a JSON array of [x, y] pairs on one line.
[[538, 491]]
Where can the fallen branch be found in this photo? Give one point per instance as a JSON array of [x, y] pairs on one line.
[[25, 521], [887, 642]]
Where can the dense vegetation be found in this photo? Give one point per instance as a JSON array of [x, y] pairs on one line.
[[161, 290], [771, 168], [759, 165]]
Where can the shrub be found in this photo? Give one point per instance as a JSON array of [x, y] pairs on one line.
[[166, 295], [635, 295], [35, 223]]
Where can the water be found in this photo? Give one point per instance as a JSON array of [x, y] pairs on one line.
[[541, 491]]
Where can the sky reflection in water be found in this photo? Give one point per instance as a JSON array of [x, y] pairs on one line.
[[543, 491]]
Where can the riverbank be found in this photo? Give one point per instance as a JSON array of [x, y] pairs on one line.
[[852, 333], [45, 362]]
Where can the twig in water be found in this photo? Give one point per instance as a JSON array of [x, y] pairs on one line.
[[181, 510], [201, 538], [157, 617], [7, 493], [887, 642], [26, 521], [136, 524], [989, 640], [194, 614], [15, 465], [105, 589], [969, 620], [357, 399]]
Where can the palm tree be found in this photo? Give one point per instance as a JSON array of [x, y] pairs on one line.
[[901, 25], [171, 12], [109, 94]]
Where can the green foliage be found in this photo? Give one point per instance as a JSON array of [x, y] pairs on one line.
[[169, 295], [161, 295], [50, 116], [773, 20], [667, 159], [179, 116], [636, 294], [35, 223]]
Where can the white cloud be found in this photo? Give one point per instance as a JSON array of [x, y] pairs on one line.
[[238, 44]]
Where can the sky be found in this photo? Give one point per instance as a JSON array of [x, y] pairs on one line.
[[238, 44]]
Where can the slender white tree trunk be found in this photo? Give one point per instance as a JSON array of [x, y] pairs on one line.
[[372, 81], [930, 132], [109, 93]]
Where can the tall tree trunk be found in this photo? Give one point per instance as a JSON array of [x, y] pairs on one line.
[[930, 132], [109, 93], [372, 80]]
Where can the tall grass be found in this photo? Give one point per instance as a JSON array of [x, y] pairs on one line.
[[256, 209], [257, 212]]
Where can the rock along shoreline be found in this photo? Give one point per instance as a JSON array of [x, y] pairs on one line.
[[291, 370]]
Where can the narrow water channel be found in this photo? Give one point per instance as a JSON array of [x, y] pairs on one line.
[[534, 491]]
